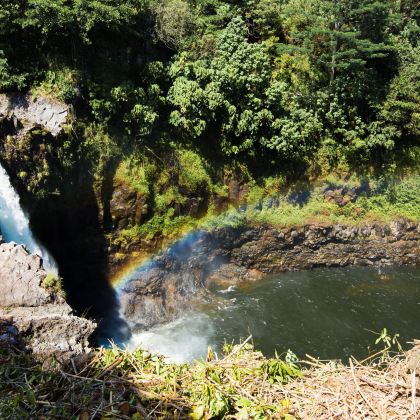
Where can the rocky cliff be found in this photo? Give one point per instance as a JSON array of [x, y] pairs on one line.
[[30, 111], [179, 277], [32, 310]]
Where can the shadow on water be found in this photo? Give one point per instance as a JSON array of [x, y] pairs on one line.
[[69, 226]]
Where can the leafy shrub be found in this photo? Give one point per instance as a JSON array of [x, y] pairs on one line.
[[137, 174], [192, 175], [53, 282], [62, 83]]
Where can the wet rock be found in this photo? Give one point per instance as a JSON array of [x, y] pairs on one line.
[[230, 274], [180, 277], [38, 316]]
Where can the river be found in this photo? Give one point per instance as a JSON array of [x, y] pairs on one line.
[[330, 313]]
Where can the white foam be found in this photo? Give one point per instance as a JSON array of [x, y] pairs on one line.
[[183, 340], [14, 224], [230, 289]]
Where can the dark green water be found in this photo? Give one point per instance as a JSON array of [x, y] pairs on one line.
[[328, 313]]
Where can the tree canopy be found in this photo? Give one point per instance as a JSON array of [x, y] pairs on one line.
[[251, 78]]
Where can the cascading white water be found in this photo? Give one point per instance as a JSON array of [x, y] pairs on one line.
[[14, 224]]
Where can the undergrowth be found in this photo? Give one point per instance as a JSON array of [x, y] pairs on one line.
[[381, 201], [242, 384], [137, 385], [360, 200]]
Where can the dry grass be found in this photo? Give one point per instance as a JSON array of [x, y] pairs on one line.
[[384, 390], [242, 385]]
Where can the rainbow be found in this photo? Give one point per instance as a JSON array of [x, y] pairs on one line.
[[139, 264], [130, 270]]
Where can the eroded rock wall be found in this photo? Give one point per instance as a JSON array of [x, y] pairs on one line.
[[270, 250], [179, 277], [40, 316]]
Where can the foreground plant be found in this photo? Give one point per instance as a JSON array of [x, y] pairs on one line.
[[243, 384], [119, 384]]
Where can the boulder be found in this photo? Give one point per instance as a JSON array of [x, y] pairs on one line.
[[34, 314]]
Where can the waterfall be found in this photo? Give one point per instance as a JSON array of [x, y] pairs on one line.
[[14, 224]]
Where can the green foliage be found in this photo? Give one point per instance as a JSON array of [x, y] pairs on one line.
[[193, 174], [389, 198], [33, 156], [298, 87], [234, 90], [388, 343], [61, 84], [262, 80], [401, 108], [78, 17], [174, 21], [278, 370], [137, 174], [217, 389], [98, 147], [53, 282], [9, 79], [387, 340]]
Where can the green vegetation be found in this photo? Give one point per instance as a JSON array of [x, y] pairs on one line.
[[138, 384], [242, 384], [136, 175], [175, 99], [53, 282], [247, 78], [377, 200], [357, 200]]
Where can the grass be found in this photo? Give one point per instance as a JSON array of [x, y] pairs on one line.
[[60, 83], [386, 200], [136, 174], [242, 384], [193, 174]]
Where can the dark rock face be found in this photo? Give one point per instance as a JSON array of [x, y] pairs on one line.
[[344, 195], [127, 207], [180, 276], [270, 250], [167, 286], [32, 314], [237, 192], [66, 217]]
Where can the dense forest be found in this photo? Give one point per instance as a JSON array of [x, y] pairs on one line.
[[275, 79], [174, 97]]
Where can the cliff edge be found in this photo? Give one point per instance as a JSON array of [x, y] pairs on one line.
[[33, 311]]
